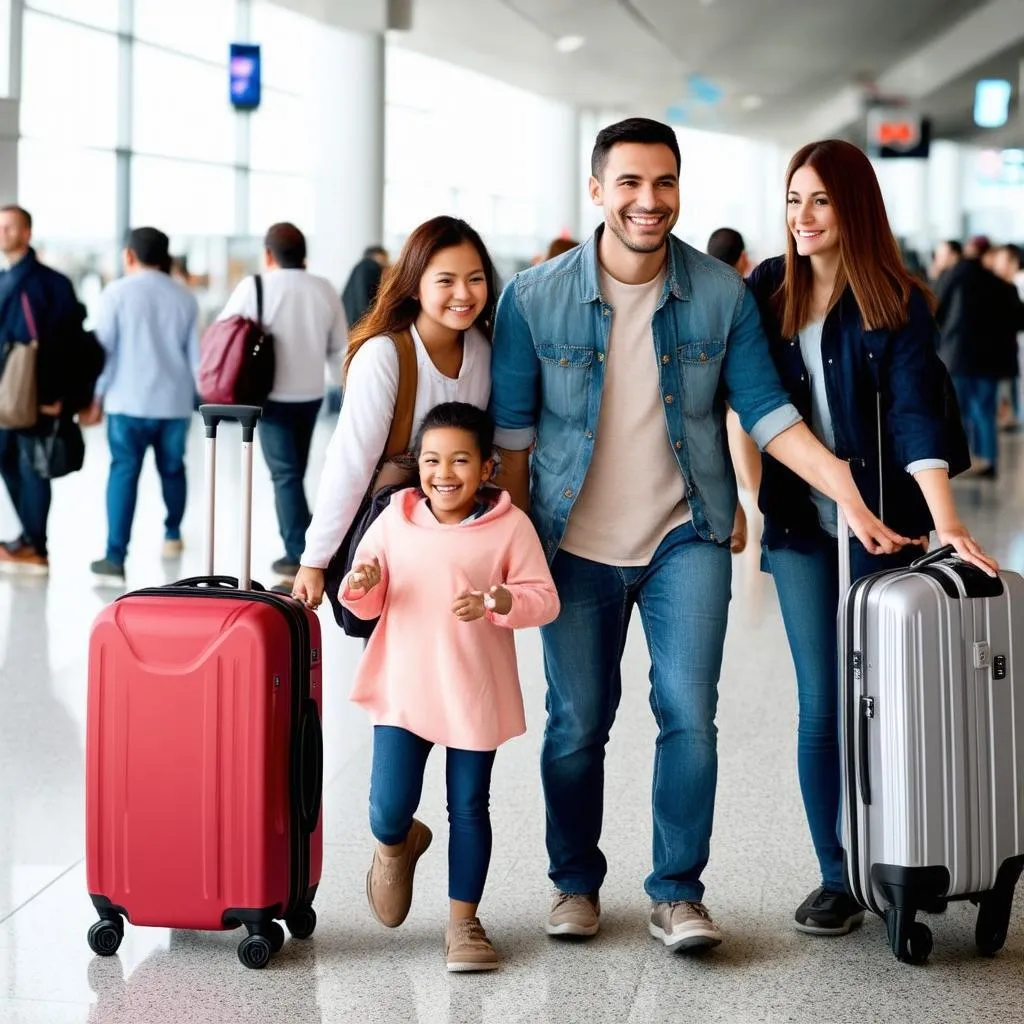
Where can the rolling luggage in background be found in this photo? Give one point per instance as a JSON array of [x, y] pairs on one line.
[[204, 751], [932, 744]]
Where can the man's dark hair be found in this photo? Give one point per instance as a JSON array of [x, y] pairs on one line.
[[1015, 254], [152, 248], [955, 246], [20, 211], [374, 250], [633, 129], [460, 416], [287, 244], [727, 245]]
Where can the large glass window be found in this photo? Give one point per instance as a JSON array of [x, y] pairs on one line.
[[183, 198], [278, 134], [69, 83], [101, 13], [277, 197], [180, 107], [203, 28], [285, 38], [71, 193]]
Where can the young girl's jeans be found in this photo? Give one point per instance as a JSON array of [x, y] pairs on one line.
[[396, 783]]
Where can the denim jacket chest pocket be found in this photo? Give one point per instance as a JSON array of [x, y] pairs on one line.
[[566, 372], [700, 372]]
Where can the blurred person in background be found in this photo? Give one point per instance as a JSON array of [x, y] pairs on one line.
[[1007, 265], [559, 246], [148, 325], [303, 313], [36, 304]]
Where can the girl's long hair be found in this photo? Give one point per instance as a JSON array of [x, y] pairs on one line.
[[396, 306], [869, 257]]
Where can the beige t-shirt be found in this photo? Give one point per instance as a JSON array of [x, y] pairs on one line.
[[633, 494]]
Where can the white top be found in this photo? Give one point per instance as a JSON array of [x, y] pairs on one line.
[[362, 429], [305, 316]]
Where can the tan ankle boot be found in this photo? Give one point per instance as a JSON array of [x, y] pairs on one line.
[[389, 880]]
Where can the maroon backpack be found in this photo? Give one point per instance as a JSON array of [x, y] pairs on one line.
[[236, 363]]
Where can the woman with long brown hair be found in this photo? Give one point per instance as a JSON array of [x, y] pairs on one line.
[[853, 339], [442, 290]]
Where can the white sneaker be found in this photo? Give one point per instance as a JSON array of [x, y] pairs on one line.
[[682, 925]]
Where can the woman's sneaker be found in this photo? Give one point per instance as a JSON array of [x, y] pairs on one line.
[[389, 880], [827, 912], [467, 948]]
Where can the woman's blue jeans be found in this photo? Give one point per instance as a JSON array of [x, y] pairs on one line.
[[808, 589]]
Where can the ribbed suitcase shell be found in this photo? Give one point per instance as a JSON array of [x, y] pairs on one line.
[[933, 742], [193, 720]]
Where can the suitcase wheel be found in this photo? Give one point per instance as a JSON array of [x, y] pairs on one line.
[[301, 922], [993, 924], [276, 935], [919, 945], [255, 951], [105, 937]]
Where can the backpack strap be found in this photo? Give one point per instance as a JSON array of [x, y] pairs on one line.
[[258, 281], [400, 435]]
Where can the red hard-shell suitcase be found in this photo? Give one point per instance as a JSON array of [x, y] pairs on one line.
[[205, 753]]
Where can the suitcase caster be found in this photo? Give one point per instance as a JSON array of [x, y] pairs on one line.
[[302, 922], [255, 951], [910, 940], [105, 937], [993, 923], [276, 935]]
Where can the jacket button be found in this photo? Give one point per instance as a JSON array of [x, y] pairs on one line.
[[679, 444], [666, 359], [600, 357], [871, 355], [713, 537], [567, 493], [605, 311], [703, 357], [563, 362], [589, 435], [830, 362], [669, 399]]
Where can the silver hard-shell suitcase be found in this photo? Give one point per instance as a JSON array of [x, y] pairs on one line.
[[932, 744]]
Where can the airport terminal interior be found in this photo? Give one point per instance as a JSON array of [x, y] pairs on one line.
[[356, 120]]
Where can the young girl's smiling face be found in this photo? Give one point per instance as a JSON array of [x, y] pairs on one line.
[[453, 289], [452, 468]]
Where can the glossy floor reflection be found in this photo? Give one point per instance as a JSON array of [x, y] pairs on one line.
[[354, 970]]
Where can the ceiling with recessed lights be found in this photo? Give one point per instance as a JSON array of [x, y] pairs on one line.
[[777, 68]]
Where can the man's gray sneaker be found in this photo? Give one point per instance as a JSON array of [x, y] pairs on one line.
[[574, 914], [683, 926], [107, 573]]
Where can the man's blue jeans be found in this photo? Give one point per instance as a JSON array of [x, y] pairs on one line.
[[30, 493], [808, 589], [683, 596], [396, 784], [129, 437], [286, 432]]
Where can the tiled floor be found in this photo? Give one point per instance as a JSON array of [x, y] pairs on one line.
[[353, 970]]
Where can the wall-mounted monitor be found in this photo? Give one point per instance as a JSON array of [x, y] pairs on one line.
[[244, 73]]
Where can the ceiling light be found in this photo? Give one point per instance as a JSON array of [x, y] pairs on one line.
[[752, 102], [569, 44]]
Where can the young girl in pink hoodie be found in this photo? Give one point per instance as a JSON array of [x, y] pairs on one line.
[[451, 568]]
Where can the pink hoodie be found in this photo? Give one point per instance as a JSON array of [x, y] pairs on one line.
[[453, 683]]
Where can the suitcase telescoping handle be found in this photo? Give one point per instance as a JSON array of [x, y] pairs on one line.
[[248, 416]]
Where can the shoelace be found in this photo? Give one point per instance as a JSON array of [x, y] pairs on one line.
[[698, 908], [567, 897], [470, 930]]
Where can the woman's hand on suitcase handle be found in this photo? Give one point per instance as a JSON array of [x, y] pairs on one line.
[[309, 586], [364, 577], [876, 537], [967, 547]]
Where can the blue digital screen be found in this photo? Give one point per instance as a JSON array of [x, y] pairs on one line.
[[992, 102], [244, 71]]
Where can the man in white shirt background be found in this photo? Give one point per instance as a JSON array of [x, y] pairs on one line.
[[303, 312]]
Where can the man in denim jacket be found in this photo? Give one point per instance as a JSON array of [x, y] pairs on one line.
[[613, 363]]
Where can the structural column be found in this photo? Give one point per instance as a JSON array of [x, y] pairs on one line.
[[346, 122], [10, 90]]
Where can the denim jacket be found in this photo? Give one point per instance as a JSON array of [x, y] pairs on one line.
[[871, 377], [548, 366]]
